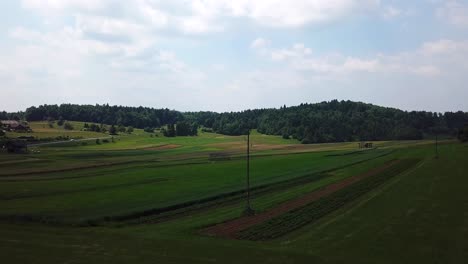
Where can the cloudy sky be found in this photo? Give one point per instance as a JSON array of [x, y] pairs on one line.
[[225, 55]]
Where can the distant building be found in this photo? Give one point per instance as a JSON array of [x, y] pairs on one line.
[[15, 126]]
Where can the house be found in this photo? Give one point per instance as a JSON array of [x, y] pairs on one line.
[[16, 126]]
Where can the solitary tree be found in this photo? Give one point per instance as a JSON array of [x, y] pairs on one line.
[[170, 131], [113, 130], [68, 126], [60, 122], [122, 128]]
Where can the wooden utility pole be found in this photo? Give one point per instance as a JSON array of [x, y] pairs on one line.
[[248, 209]]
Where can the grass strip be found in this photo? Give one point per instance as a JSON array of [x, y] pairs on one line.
[[297, 218]]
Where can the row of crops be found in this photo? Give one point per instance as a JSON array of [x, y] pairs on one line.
[[294, 219], [160, 214]]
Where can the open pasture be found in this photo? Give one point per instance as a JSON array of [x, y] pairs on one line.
[[150, 195]]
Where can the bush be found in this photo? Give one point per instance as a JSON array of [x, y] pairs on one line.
[[130, 130], [463, 134], [105, 141], [113, 130], [121, 129], [286, 136], [149, 129], [68, 126], [98, 142], [60, 122]]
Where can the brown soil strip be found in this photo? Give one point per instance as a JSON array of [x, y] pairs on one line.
[[231, 228], [163, 147]]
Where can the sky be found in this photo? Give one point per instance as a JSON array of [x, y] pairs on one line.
[[225, 55]]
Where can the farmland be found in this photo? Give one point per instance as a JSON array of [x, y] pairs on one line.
[[143, 197]]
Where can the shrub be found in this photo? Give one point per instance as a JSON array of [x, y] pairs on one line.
[[121, 128], [60, 122], [113, 130], [68, 126]]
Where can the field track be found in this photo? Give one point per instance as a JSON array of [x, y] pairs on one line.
[[230, 229]]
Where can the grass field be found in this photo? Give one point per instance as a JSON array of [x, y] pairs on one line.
[[147, 199]]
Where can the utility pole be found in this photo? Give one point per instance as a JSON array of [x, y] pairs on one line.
[[248, 209]]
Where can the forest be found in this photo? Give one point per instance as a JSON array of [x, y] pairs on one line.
[[332, 121]]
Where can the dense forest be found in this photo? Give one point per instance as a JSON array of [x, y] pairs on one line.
[[139, 117], [337, 121], [332, 121]]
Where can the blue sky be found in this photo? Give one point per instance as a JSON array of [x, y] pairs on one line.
[[225, 55]]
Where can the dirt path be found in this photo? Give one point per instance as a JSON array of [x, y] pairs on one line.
[[163, 147], [231, 228]]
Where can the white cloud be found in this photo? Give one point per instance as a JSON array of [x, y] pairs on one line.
[[205, 16], [431, 59], [391, 12], [444, 46], [56, 7], [298, 50], [260, 43], [454, 12]]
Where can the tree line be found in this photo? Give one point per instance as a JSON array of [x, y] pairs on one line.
[[336, 121], [332, 121], [139, 117]]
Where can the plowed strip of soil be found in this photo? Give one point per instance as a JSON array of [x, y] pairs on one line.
[[231, 228], [163, 147]]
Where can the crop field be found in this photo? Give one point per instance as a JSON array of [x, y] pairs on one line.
[[145, 198]]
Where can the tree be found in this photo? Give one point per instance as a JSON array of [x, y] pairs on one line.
[[2, 133], [60, 122], [183, 129], [98, 141], [149, 129], [122, 128], [463, 134], [95, 128], [130, 130], [113, 130], [68, 126], [194, 131], [170, 131]]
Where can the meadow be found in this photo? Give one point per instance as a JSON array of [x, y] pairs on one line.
[[145, 198]]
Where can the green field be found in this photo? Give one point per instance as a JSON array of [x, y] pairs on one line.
[[145, 198]]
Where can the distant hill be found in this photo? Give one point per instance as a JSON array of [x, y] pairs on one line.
[[332, 121]]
